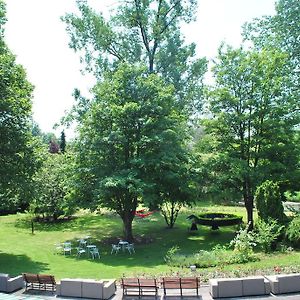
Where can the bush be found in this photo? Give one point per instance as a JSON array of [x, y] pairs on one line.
[[293, 232], [267, 234], [53, 189], [292, 196], [218, 256], [268, 201], [243, 245]]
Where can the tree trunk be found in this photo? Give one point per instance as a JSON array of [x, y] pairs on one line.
[[248, 199], [127, 219], [249, 208]]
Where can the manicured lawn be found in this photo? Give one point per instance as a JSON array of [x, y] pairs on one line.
[[20, 251]]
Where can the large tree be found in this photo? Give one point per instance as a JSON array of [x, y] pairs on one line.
[[17, 149], [141, 32], [131, 140], [252, 121], [280, 32]]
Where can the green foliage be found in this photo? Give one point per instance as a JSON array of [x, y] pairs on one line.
[[62, 145], [131, 145], [52, 188], [218, 256], [243, 244], [2, 19], [252, 129], [292, 196], [35, 253], [169, 257], [280, 31], [18, 159], [267, 234], [141, 32], [268, 201], [293, 232]]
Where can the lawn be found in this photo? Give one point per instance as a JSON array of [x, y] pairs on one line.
[[20, 251]]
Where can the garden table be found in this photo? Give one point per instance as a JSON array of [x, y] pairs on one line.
[[123, 245], [90, 249]]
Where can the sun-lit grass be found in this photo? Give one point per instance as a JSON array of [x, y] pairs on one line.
[[20, 251]]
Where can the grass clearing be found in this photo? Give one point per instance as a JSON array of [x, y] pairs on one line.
[[20, 251]]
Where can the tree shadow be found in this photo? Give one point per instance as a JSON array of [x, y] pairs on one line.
[[86, 223], [17, 264]]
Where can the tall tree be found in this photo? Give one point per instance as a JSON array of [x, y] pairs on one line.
[[17, 151], [280, 32], [145, 32], [253, 122], [130, 140], [62, 142]]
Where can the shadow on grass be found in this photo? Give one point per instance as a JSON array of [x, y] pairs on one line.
[[153, 254], [17, 264], [82, 223]]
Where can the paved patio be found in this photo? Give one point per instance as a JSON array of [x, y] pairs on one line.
[[203, 295]]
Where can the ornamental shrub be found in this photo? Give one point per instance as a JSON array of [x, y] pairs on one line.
[[243, 244], [218, 256], [293, 232], [267, 234], [268, 201]]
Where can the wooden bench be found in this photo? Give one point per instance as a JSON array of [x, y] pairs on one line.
[[139, 286], [188, 283], [39, 282]]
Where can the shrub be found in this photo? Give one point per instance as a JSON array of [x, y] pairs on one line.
[[243, 245], [53, 188], [218, 256], [293, 232], [268, 201], [170, 255], [244, 241], [267, 233], [292, 196]]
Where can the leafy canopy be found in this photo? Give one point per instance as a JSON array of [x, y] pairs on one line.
[[252, 127], [146, 32], [130, 140], [17, 147]]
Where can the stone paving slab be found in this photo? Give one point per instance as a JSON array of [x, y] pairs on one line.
[[172, 295]]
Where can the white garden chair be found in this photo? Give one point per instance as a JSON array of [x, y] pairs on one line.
[[80, 251], [67, 248], [115, 249], [130, 248], [94, 253]]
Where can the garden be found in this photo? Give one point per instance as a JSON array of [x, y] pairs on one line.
[[159, 250], [195, 175]]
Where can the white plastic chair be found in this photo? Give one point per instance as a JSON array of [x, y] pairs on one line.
[[67, 248], [80, 251], [82, 243], [115, 249], [58, 248], [94, 253], [130, 248]]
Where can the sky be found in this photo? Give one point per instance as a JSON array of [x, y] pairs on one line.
[[37, 36]]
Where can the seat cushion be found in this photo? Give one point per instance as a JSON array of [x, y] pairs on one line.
[[92, 289], [70, 287], [230, 287], [254, 286], [3, 282], [289, 283]]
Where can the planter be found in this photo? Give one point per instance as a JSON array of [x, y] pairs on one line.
[[215, 220]]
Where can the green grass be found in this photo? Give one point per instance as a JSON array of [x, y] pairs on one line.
[[20, 251]]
